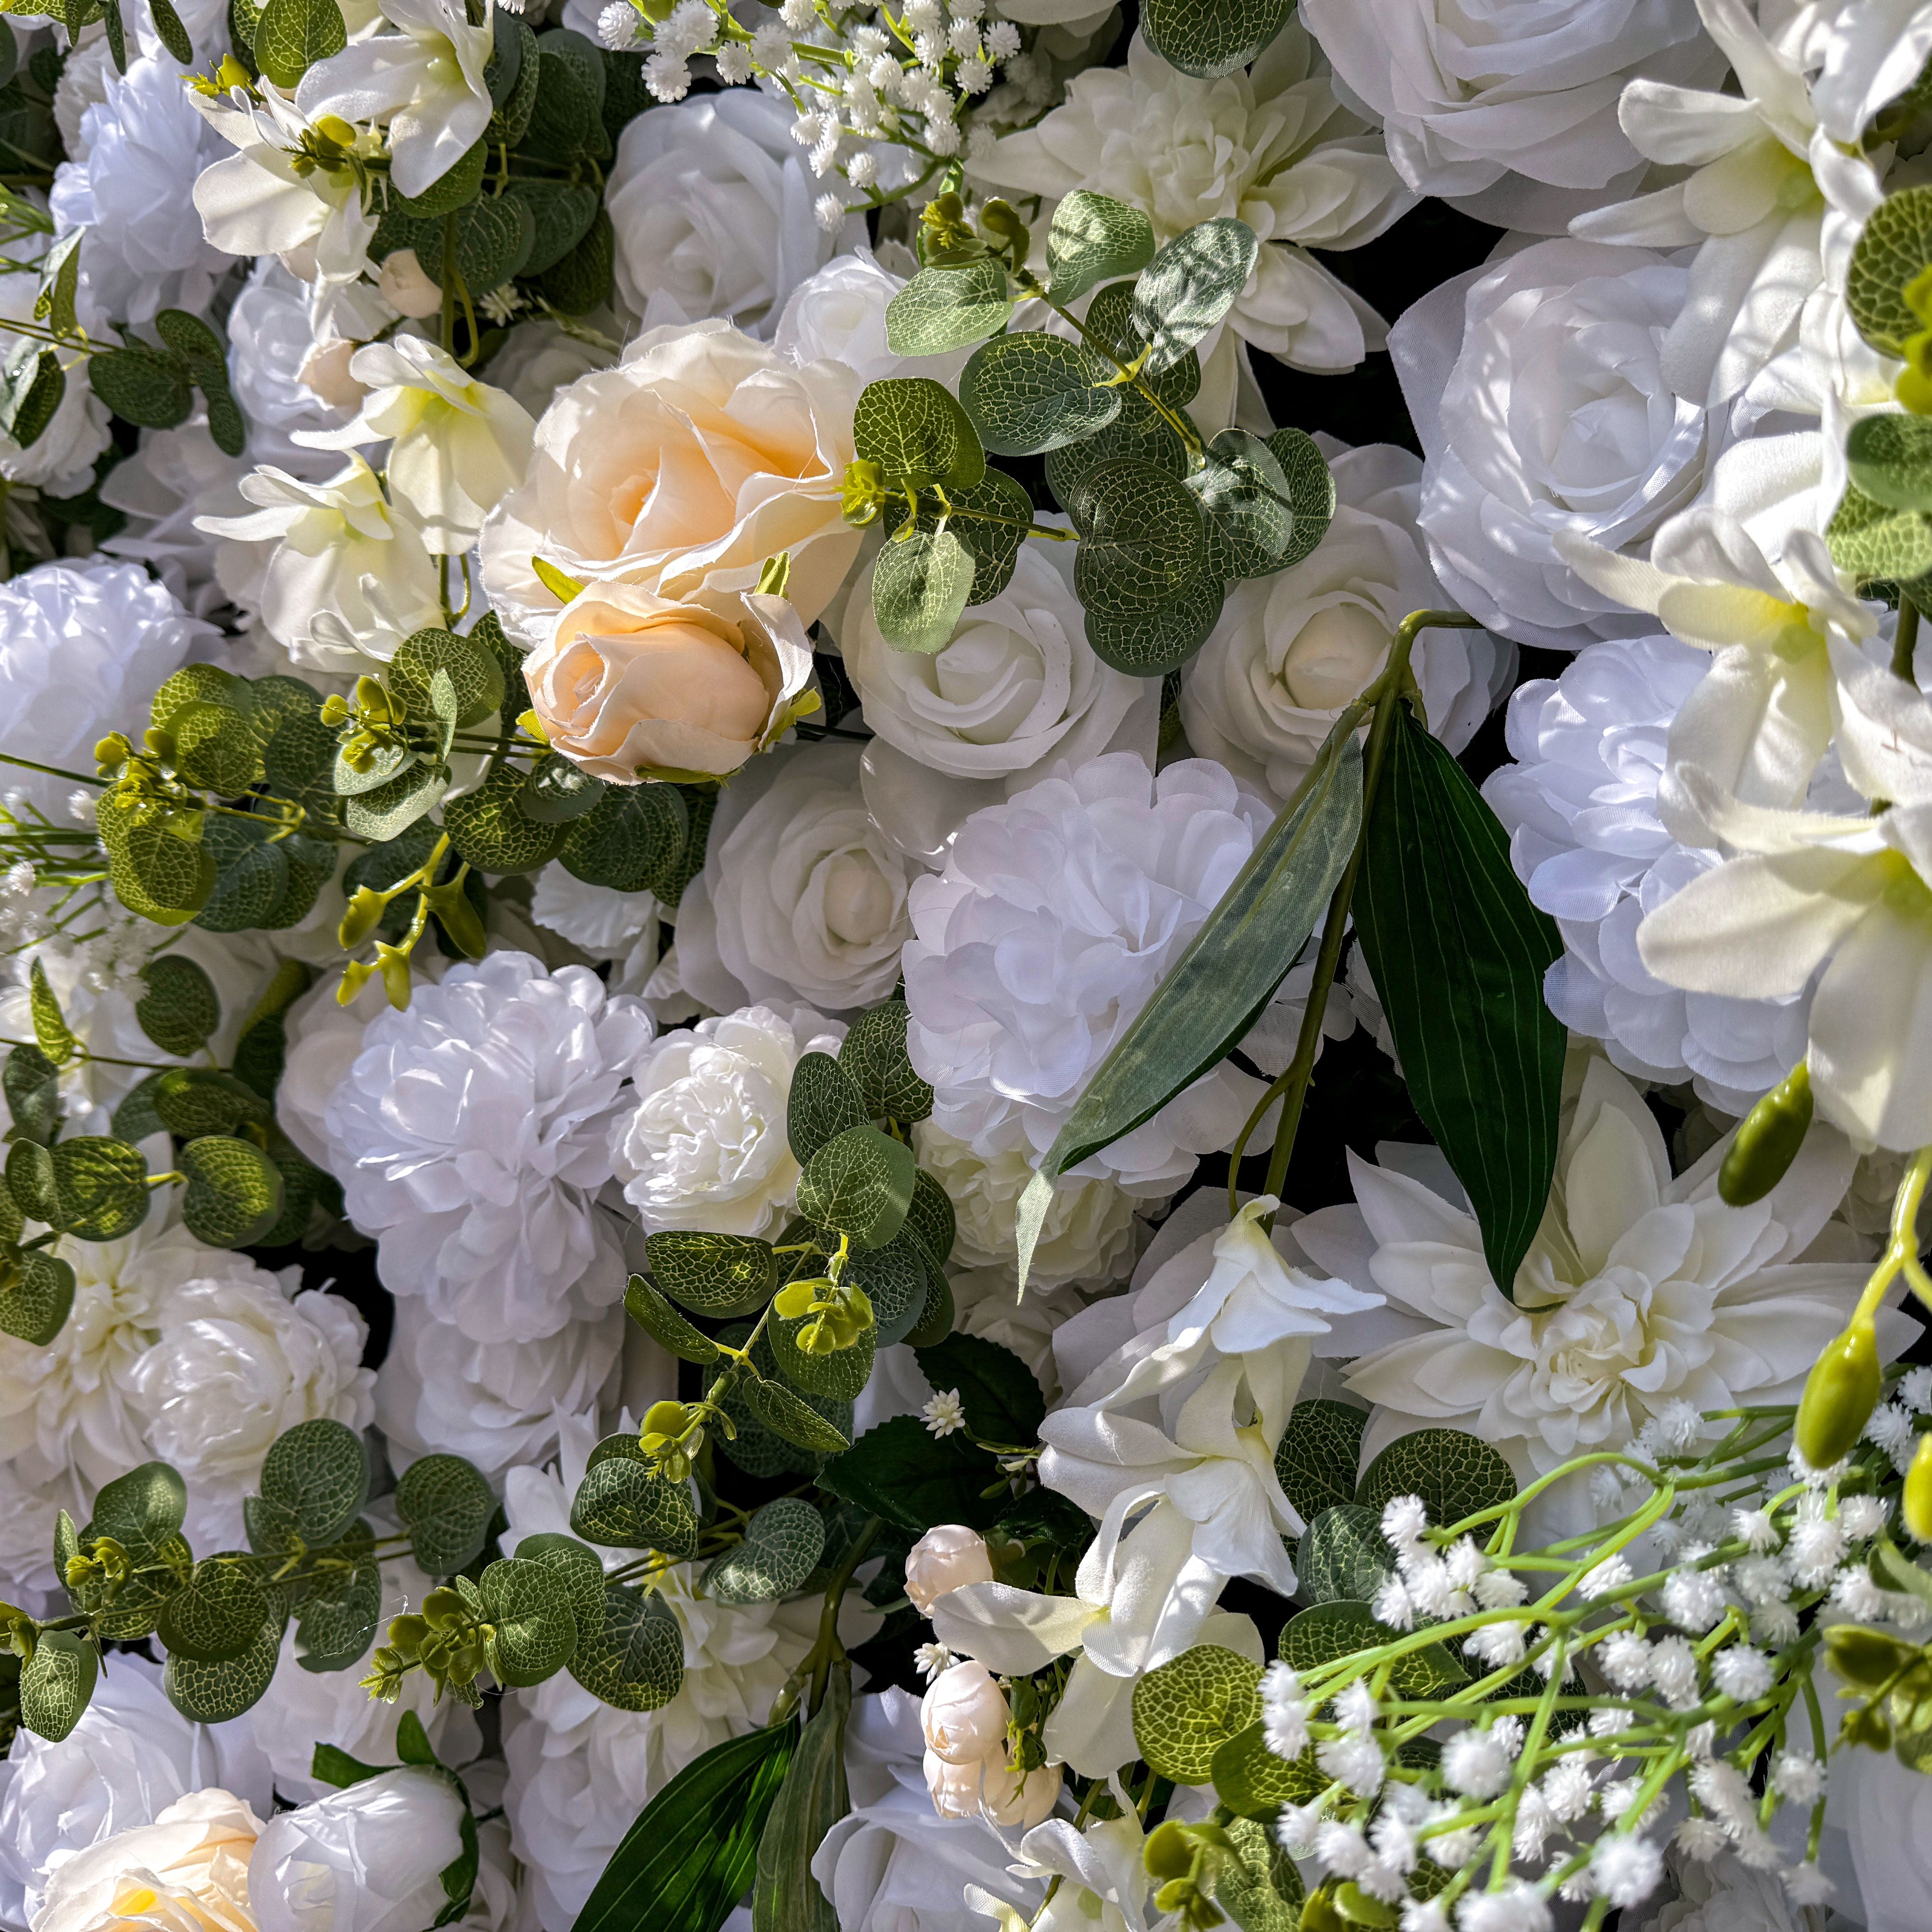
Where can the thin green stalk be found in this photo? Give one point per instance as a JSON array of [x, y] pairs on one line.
[[1905, 642], [828, 1645]]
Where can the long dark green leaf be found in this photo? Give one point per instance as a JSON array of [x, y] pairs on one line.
[[685, 1863], [1229, 972], [1459, 953], [785, 1897]]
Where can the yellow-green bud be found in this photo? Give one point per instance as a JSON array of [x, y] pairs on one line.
[[665, 1418], [1768, 1141], [393, 963], [334, 709], [1358, 1908], [443, 1607], [1839, 1394], [1318, 1913], [333, 127], [796, 1298], [406, 1635], [363, 915], [1168, 1851], [1918, 1510]]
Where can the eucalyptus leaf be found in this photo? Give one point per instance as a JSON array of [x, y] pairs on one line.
[[1093, 239], [1191, 284], [1029, 392], [942, 309]]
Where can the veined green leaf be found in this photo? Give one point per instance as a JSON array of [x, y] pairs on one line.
[[785, 1897]]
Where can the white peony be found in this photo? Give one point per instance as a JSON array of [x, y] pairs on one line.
[[60, 460], [1509, 112], [1087, 1235], [29, 1517], [1017, 689], [1580, 806], [438, 1391], [1641, 1289], [803, 896], [145, 250], [1289, 651], [1057, 914], [704, 1144], [175, 476], [367, 1859], [235, 1362], [189, 1868], [83, 649], [131, 1756], [711, 200], [1537, 388], [1273, 146], [471, 1136]]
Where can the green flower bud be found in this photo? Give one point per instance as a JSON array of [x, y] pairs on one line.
[[798, 1298], [1919, 1493], [1318, 1913], [364, 914], [1357, 1907], [406, 1635], [443, 1608], [1169, 1852], [1865, 1657], [334, 709], [666, 1418], [1768, 1141], [1839, 1394]]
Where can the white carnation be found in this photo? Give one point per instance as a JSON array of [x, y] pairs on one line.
[[703, 1144], [1057, 914], [471, 1136]]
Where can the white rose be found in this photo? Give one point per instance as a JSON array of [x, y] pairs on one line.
[[1510, 111], [705, 1146], [367, 1859], [189, 1868], [131, 1756], [1087, 1235], [271, 338], [803, 896], [681, 470], [1289, 652], [1017, 689], [1537, 390], [235, 1362], [712, 202], [838, 315], [437, 1390], [943, 1559]]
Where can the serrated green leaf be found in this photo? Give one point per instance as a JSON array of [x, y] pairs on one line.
[[1458, 954], [659, 1320], [636, 1661], [874, 1055], [1093, 239], [717, 1275], [824, 1102], [234, 1192], [940, 310], [1317, 1456], [915, 1480], [216, 1616], [632, 840], [1190, 285], [783, 1543], [292, 35], [1142, 539], [1455, 1474], [620, 1504], [56, 1683], [213, 1694], [445, 1504], [859, 1185], [1894, 248], [181, 1010], [1183, 1711], [36, 1296], [1030, 392], [1000, 1397]]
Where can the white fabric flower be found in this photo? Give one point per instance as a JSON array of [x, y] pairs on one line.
[[623, 928], [1289, 651], [1057, 914], [803, 896], [235, 1362], [711, 204], [1536, 389], [702, 454], [1087, 1235], [131, 1756], [271, 335], [838, 315], [367, 1859], [1580, 806], [425, 81], [176, 476], [540, 358], [1509, 112], [83, 649], [439, 1391], [190, 1868], [703, 1144], [1273, 146], [1640, 1290], [1865, 53], [1884, 1809], [472, 1134], [1018, 689]]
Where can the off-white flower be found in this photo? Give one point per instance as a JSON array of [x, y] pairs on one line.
[[542, 357], [944, 1559], [456, 445], [682, 470], [424, 82], [1509, 112], [1639, 1289], [704, 1143], [1536, 389], [1273, 146], [1289, 651], [1056, 915], [351, 576], [472, 1134], [187, 1871], [712, 205], [838, 315]]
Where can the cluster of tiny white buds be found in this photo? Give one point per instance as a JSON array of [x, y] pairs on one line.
[[1693, 1600], [1518, 1906], [932, 1660], [1424, 1915], [1854, 1592], [1916, 1389], [1806, 1885], [1817, 1543], [1626, 1869], [963, 37], [1392, 1607], [829, 213], [1475, 1763], [798, 14], [734, 64], [1775, 1624], [1355, 1761], [1284, 1712], [1700, 1741], [1405, 1518], [81, 806], [863, 170], [1673, 1669], [1754, 1529], [1701, 1838], [1568, 1786], [1497, 1645], [1762, 1580], [1889, 1427], [771, 47], [666, 78], [1296, 1826], [1613, 1573], [922, 17], [1742, 1673], [1500, 1590], [1003, 41], [945, 1414], [1797, 1777], [1862, 1518]]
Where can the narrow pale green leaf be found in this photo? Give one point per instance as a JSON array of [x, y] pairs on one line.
[[785, 1897]]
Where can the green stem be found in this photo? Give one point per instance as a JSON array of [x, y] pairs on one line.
[[828, 1645], [1905, 642]]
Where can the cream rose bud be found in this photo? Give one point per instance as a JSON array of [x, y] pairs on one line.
[[702, 454], [406, 287], [186, 1872], [365, 1859], [631, 684], [1017, 1800], [943, 1559], [964, 1715]]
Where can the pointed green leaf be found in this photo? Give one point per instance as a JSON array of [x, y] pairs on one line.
[[57, 1683], [56, 1042], [785, 1897], [657, 1318], [824, 1102]]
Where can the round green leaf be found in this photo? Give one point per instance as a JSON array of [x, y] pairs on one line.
[[1190, 285], [490, 828], [1143, 540], [1455, 1474], [234, 1193], [1893, 249], [1342, 1559], [1152, 642], [1031, 392], [1317, 1456], [841, 1374], [100, 1187], [921, 587], [216, 1615], [339, 1619], [1094, 239], [621, 1503], [859, 1185], [318, 1472], [659, 1320], [1208, 38], [782, 1545], [180, 1010], [717, 1275], [823, 1102], [940, 310], [213, 1693], [914, 430], [1890, 459], [1251, 1780], [36, 1296], [214, 749], [636, 1662], [56, 1683], [292, 35], [631, 841], [446, 1504], [1185, 1710], [874, 1054], [1244, 490], [143, 385], [527, 1605], [473, 673], [579, 1568]]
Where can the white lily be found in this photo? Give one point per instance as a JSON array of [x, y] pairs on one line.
[[458, 444], [425, 82], [1103, 1885], [350, 575]]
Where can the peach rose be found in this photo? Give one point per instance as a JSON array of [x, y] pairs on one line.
[[186, 1872], [632, 685], [681, 471]]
